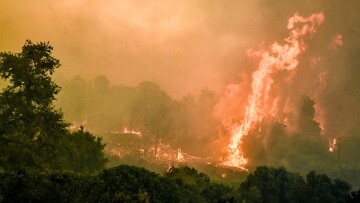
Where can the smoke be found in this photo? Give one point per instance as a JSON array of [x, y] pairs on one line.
[[167, 42], [175, 44]]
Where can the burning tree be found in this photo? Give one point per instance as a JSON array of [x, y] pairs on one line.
[[261, 102]]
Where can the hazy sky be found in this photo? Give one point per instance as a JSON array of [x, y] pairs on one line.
[[182, 45]]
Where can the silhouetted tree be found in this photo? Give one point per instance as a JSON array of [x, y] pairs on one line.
[[320, 188], [33, 134], [272, 185], [278, 185], [354, 197], [27, 116]]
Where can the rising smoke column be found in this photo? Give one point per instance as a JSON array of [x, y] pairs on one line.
[[278, 58]]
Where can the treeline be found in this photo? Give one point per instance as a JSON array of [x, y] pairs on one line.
[[131, 184]]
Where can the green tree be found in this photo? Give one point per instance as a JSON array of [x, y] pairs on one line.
[[267, 184], [33, 134], [320, 188], [132, 184], [27, 115], [84, 152], [195, 182]]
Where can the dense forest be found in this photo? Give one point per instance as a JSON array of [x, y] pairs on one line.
[[47, 156]]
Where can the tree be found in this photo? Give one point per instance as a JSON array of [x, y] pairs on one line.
[[150, 112], [320, 188], [27, 115], [33, 134], [267, 184], [132, 184], [28, 99], [84, 152]]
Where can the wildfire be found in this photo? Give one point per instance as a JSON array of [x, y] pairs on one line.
[[332, 145], [180, 156], [126, 130], [77, 125], [336, 42], [278, 58]]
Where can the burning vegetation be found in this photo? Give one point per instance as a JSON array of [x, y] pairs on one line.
[[232, 88], [262, 101], [269, 117]]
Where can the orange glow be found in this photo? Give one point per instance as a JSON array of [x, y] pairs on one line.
[[180, 156], [332, 145], [278, 58], [126, 130], [319, 112], [336, 42]]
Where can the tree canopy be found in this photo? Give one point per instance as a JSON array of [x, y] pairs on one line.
[[33, 133]]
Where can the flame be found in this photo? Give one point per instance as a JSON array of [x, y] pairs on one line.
[[132, 131], [126, 130], [77, 125], [73, 126], [332, 145], [278, 58], [319, 112], [336, 42], [180, 156]]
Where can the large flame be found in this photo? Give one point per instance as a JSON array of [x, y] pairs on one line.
[[278, 58]]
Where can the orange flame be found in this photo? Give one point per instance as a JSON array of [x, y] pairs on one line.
[[278, 58], [332, 145], [336, 42], [180, 156], [128, 131], [319, 112]]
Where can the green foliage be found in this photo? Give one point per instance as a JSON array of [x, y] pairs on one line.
[[199, 187], [272, 185], [27, 115], [320, 188], [278, 185], [124, 183], [84, 152], [189, 176], [132, 184], [33, 134], [42, 187]]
